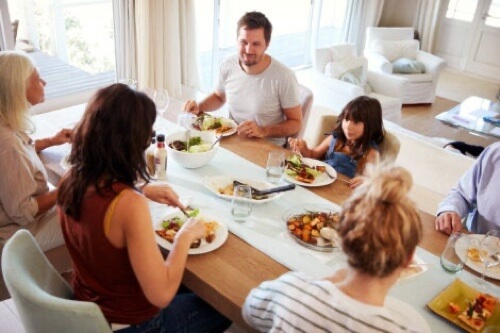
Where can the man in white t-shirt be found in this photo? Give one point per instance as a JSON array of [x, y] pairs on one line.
[[262, 94]]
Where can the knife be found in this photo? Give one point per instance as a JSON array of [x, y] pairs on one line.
[[259, 193]]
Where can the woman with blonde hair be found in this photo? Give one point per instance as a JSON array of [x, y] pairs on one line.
[[379, 231], [26, 200]]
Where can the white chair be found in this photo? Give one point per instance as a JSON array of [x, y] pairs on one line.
[[339, 61], [389, 147], [384, 46], [306, 101], [42, 297]]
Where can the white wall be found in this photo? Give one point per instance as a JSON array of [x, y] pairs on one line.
[[398, 13]]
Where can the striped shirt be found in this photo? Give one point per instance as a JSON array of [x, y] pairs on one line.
[[297, 303]]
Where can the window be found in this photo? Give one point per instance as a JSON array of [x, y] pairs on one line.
[[462, 10], [72, 42], [298, 27]]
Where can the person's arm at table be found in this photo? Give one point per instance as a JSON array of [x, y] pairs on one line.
[[318, 152], [289, 127], [211, 103], [131, 227], [63, 136], [461, 200]]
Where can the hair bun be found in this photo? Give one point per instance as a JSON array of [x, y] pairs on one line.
[[388, 184]]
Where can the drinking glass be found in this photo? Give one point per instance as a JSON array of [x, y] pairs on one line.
[[160, 98], [186, 120], [490, 254], [132, 83], [275, 166], [450, 261], [241, 209]]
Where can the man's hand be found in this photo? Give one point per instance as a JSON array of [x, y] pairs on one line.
[[250, 129], [448, 222], [191, 107]]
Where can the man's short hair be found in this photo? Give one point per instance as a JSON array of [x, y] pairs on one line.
[[256, 20]]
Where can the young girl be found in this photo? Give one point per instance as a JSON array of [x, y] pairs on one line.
[[354, 140]]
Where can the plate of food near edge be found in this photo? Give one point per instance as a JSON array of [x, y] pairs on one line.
[[223, 187], [466, 307], [221, 126], [308, 172], [313, 226], [471, 256], [166, 228]]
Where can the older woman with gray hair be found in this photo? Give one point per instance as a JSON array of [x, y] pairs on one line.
[[26, 200]]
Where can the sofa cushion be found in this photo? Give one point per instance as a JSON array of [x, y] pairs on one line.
[[408, 66], [395, 49], [352, 68]]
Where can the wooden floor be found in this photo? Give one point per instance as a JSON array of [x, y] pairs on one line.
[[64, 79], [420, 119]]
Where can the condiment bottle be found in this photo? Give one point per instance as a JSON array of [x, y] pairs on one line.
[[150, 155], [160, 155]]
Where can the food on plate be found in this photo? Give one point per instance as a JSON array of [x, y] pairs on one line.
[[478, 311], [170, 227], [196, 145], [229, 190], [474, 254], [453, 308], [206, 122], [308, 227], [296, 168]]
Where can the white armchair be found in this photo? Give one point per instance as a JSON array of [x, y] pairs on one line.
[[334, 62], [389, 48]]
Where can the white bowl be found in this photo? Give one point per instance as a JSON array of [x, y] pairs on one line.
[[191, 160]]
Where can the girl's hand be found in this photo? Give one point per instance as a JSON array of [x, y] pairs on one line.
[[193, 229], [63, 136], [162, 193], [356, 181], [299, 146]]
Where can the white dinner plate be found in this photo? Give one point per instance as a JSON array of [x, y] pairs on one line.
[[322, 180], [220, 235], [461, 249], [226, 121], [403, 312], [216, 183], [65, 163]]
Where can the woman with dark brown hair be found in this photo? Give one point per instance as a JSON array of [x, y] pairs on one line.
[[107, 225]]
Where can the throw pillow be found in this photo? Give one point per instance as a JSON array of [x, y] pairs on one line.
[[353, 76], [343, 52], [408, 66], [357, 65], [395, 49]]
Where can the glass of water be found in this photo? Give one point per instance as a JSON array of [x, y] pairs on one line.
[[241, 207], [450, 260], [275, 166]]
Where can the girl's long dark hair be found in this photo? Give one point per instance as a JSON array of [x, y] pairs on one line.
[[108, 145], [369, 112]]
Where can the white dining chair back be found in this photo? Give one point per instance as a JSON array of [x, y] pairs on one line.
[[42, 297], [306, 101]]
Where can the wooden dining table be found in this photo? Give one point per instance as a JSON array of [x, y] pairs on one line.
[[225, 277]]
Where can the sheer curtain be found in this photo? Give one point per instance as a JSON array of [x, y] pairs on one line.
[[157, 40], [360, 15], [125, 39], [426, 20]]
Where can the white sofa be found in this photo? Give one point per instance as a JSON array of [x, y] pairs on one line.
[[385, 45], [435, 170], [335, 93]]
